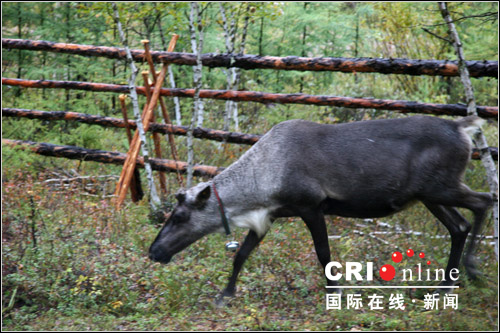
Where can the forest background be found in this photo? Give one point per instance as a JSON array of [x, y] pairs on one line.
[[71, 262]]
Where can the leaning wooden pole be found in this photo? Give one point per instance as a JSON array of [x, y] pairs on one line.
[[156, 138], [135, 187], [248, 61], [128, 167], [163, 106], [479, 138], [123, 107], [270, 98], [111, 157]]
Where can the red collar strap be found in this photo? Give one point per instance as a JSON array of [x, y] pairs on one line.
[[225, 222]]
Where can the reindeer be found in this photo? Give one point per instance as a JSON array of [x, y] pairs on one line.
[[365, 169]]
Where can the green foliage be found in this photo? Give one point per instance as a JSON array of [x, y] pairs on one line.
[[71, 262], [308, 29]]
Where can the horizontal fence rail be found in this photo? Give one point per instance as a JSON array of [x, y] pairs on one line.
[[201, 133], [269, 98], [198, 132], [102, 156], [367, 65]]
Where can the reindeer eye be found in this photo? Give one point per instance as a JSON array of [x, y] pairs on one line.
[[180, 216]]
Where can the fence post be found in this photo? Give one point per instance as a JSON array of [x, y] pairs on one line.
[[156, 136], [166, 118], [135, 186]]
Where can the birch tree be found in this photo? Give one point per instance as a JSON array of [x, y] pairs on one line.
[[171, 78], [155, 200], [177, 104], [479, 138], [196, 30], [233, 74]]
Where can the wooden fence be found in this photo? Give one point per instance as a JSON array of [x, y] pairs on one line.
[[371, 65], [198, 132], [246, 61], [112, 157], [256, 96]]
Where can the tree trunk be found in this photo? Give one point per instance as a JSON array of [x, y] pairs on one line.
[[233, 74], [229, 37], [155, 200], [195, 24], [177, 105], [303, 51], [479, 138], [19, 35]]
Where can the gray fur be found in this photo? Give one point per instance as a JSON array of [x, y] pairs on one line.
[[362, 169], [379, 165]]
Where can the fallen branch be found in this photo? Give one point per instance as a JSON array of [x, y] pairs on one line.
[[248, 61], [373, 234], [102, 156], [71, 179], [201, 133], [269, 98]]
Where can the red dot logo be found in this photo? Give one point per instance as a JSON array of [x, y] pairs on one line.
[[421, 255], [409, 253], [397, 257], [387, 272]]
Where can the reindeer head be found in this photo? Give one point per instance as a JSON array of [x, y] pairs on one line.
[[195, 216]]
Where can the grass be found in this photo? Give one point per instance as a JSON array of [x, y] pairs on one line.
[[71, 262]]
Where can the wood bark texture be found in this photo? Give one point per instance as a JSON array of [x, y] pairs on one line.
[[248, 61]]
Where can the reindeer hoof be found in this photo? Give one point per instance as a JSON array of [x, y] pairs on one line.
[[220, 302], [445, 287], [334, 291], [471, 268], [224, 299]]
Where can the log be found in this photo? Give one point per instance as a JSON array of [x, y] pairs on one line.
[[135, 185], [157, 143], [198, 132], [102, 156], [202, 133], [135, 146], [163, 106], [269, 98], [247, 61]]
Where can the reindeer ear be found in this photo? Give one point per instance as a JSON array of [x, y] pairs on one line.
[[203, 196], [181, 196]]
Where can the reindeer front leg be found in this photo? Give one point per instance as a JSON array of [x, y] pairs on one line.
[[250, 243], [315, 222]]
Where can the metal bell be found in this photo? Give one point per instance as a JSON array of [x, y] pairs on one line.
[[232, 246]]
